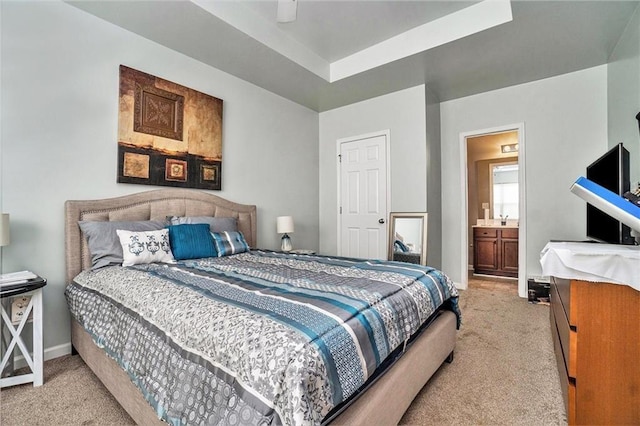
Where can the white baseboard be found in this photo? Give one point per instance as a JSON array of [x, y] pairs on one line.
[[49, 353]]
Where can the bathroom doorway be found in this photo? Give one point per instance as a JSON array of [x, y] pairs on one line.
[[493, 166]]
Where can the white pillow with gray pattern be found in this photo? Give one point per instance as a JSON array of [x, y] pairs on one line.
[[145, 247]]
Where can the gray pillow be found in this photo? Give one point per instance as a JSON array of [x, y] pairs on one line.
[[216, 224], [104, 243]]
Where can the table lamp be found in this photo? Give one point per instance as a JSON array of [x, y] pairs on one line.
[[4, 234], [4, 230], [284, 225]]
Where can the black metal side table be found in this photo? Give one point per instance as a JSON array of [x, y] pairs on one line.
[[33, 287]]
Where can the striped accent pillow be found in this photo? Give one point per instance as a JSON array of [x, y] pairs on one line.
[[230, 242]]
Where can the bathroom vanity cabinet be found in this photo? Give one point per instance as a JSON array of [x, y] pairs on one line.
[[495, 250]]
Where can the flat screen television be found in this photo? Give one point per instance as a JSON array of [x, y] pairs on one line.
[[611, 171]]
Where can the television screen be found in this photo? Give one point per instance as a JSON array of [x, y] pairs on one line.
[[610, 171]]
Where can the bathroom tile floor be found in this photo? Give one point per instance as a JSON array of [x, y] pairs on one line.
[[509, 285]]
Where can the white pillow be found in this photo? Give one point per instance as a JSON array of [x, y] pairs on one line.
[[145, 247]]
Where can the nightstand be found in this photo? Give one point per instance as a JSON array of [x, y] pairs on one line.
[[32, 289]]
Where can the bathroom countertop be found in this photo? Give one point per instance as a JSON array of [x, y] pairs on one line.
[[496, 226]]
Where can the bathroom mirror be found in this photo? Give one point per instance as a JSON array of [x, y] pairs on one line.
[[504, 190], [408, 237]]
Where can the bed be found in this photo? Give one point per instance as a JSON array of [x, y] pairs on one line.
[[117, 318]]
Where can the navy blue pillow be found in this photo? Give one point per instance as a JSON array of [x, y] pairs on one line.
[[191, 241]]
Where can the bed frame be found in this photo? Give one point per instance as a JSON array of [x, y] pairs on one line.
[[383, 403]]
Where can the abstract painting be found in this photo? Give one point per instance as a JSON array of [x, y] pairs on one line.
[[168, 134]]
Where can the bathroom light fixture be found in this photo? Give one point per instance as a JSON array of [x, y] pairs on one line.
[[287, 10], [506, 149]]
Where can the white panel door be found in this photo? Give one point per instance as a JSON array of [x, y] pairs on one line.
[[363, 198]]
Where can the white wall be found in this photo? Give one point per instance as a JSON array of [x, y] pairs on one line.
[[624, 94], [59, 119], [403, 113], [565, 120]]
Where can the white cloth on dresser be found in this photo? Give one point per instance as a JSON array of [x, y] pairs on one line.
[[619, 264]]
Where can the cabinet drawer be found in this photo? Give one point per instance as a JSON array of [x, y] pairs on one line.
[[562, 323], [571, 404], [562, 368], [510, 233], [485, 232], [572, 356], [563, 288]]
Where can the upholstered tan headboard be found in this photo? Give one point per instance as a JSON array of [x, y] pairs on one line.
[[149, 205]]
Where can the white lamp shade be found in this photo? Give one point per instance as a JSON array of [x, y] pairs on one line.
[[4, 230], [284, 224]]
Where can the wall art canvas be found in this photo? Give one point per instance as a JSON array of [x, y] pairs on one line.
[[168, 134]]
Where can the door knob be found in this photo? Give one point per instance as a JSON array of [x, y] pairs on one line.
[[380, 220]]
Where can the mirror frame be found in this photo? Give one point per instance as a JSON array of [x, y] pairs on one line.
[[392, 231]]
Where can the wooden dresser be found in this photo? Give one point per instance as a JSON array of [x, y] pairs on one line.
[[596, 334]]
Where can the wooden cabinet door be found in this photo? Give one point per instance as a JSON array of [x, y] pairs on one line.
[[486, 255], [509, 255]]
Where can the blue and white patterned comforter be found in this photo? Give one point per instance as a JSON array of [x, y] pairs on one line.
[[255, 338]]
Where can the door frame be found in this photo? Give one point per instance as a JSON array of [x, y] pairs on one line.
[[522, 221], [387, 137]]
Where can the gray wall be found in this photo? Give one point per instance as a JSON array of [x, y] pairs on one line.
[[565, 121], [59, 119], [403, 113], [623, 85], [434, 180]]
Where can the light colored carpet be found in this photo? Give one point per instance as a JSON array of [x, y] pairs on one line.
[[503, 373], [71, 395]]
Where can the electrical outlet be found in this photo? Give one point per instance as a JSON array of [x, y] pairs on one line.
[[19, 307]]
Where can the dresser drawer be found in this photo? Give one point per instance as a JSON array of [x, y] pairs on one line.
[[560, 362], [563, 287], [571, 403], [562, 324], [572, 356]]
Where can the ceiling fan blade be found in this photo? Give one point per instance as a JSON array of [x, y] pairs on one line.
[[287, 10]]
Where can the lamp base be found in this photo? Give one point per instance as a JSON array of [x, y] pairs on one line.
[[286, 243]]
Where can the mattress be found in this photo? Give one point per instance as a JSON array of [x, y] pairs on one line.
[[258, 337]]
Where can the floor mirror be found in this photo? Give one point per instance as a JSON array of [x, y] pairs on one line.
[[408, 237]]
